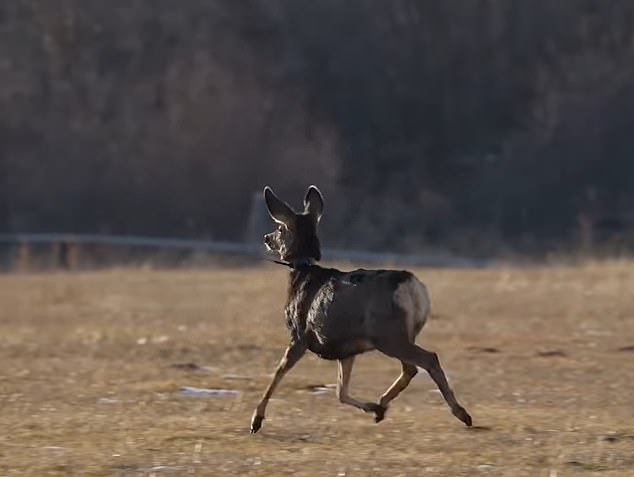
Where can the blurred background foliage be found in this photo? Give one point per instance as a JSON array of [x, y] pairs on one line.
[[484, 127]]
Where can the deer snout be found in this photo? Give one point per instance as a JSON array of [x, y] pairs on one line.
[[268, 241]]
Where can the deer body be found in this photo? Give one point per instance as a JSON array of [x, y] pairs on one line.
[[338, 315]]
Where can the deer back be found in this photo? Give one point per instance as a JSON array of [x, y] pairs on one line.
[[342, 314]]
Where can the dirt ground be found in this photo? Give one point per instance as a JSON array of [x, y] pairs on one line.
[[91, 367]]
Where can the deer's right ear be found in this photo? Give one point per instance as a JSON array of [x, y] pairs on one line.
[[279, 210], [314, 202]]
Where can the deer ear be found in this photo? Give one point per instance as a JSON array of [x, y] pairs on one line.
[[314, 202], [279, 210]]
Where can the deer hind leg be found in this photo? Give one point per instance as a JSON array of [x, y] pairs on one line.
[[292, 355], [343, 384], [408, 371], [417, 356]]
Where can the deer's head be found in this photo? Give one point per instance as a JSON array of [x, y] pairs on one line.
[[296, 235]]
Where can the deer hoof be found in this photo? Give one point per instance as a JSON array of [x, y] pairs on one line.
[[378, 410], [256, 423], [463, 415], [379, 414]]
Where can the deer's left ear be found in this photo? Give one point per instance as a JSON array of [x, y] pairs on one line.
[[279, 210], [314, 202]]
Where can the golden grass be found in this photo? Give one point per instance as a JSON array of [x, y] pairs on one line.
[[541, 357]]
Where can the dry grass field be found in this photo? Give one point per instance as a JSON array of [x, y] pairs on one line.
[[91, 365]]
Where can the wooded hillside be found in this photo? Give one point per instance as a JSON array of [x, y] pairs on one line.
[[476, 126]]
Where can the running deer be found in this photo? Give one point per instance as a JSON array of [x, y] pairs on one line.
[[338, 315]]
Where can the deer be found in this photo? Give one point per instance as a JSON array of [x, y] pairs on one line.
[[338, 315]]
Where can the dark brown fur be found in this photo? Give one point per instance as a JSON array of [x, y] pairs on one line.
[[338, 315], [327, 335]]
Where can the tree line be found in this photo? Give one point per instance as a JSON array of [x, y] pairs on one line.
[[482, 126]]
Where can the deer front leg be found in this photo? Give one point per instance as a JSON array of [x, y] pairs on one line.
[[292, 355], [343, 383]]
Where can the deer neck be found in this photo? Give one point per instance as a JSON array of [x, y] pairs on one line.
[[301, 263], [295, 264]]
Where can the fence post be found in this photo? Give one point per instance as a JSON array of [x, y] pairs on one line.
[[23, 259], [258, 222]]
